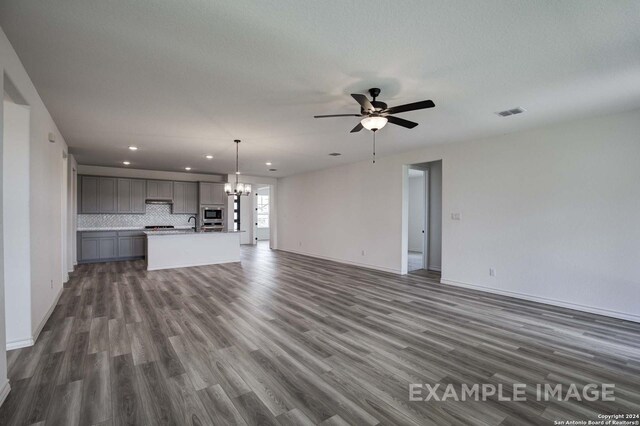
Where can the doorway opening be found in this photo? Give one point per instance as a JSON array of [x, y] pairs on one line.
[[424, 230], [417, 222], [263, 200]]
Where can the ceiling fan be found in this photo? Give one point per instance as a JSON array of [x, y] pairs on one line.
[[376, 114]]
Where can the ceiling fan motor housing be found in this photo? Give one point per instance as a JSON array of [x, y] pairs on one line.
[[379, 106]]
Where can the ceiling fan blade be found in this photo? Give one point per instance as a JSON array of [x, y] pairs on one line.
[[409, 107], [357, 128], [336, 115], [402, 122], [363, 101]]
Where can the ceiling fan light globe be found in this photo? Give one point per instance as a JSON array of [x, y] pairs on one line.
[[374, 122]]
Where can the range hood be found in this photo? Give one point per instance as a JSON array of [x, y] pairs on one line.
[[158, 201]]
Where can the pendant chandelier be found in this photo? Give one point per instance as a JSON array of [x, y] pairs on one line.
[[239, 188]]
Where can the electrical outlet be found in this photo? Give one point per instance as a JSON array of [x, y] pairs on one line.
[[492, 272], [51, 283], [363, 252], [456, 216], [299, 243]]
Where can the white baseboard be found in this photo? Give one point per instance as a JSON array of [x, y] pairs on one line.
[[37, 331], [4, 392], [546, 301], [30, 341], [20, 343], [333, 259]]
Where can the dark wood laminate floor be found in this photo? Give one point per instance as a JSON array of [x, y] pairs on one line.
[[286, 339]]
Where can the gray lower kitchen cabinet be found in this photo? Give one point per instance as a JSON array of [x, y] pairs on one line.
[[131, 196], [160, 189], [102, 246], [97, 246], [185, 198], [88, 194], [107, 248], [88, 249], [139, 246], [212, 193], [129, 247]]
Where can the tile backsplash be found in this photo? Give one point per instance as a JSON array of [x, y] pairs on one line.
[[156, 214]]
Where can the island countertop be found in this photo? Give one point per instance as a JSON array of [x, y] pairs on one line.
[[188, 232]]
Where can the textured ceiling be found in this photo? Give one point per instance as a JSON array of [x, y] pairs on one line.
[[183, 79]]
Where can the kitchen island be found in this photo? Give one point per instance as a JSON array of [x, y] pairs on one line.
[[184, 248]]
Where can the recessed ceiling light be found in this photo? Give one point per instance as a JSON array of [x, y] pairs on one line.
[[126, 163], [187, 168], [133, 148], [335, 154], [268, 164], [208, 156]]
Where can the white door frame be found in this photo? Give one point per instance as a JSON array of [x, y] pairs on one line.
[[425, 225]]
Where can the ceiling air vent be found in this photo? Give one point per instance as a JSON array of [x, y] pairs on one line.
[[335, 154], [508, 112], [273, 170]]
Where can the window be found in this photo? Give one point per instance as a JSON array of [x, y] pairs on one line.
[[263, 211], [236, 213]]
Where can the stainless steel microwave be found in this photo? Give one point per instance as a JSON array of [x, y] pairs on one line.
[[212, 213]]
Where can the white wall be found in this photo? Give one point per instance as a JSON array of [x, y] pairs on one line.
[[15, 182], [46, 189], [416, 213], [4, 381], [435, 215], [553, 210]]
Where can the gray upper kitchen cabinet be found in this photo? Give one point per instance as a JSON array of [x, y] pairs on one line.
[[160, 189], [212, 193], [185, 198], [131, 196], [124, 195], [111, 195], [138, 196], [107, 195], [88, 194]]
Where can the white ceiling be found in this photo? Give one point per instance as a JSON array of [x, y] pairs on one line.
[[181, 79]]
